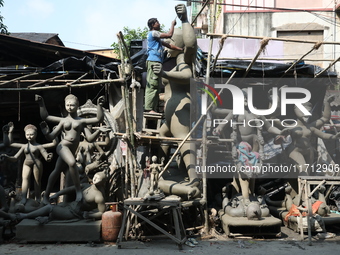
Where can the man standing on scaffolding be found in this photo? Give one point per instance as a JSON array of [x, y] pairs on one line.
[[155, 54]]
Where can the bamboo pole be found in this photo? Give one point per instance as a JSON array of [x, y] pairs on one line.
[[18, 78], [159, 138], [127, 154], [279, 59], [264, 43], [65, 86], [327, 68], [61, 81], [128, 117], [204, 134], [48, 80], [77, 80], [221, 43], [198, 14], [315, 47]]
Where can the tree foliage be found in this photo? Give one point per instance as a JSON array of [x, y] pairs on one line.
[[132, 34], [3, 28]]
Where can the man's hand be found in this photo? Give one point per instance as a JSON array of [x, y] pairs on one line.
[[173, 23]]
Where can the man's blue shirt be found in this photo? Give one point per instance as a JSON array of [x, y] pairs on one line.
[[155, 48]]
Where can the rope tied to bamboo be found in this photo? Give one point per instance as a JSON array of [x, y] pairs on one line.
[[221, 43], [222, 40], [317, 45], [264, 43]]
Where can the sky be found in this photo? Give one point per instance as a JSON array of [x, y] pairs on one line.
[[85, 24]]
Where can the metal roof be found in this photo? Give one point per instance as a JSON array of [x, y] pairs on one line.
[[17, 51], [39, 37]]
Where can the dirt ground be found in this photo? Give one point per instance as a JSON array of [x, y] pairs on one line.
[[288, 243]]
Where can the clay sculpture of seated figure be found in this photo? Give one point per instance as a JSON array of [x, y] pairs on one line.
[[254, 208], [290, 203], [92, 205], [177, 106]]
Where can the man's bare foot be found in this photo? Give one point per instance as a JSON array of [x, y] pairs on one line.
[[151, 112]]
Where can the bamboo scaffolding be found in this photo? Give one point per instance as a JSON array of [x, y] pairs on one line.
[[327, 68], [77, 80], [128, 116], [264, 43], [278, 59], [62, 81], [48, 80], [204, 135], [120, 80], [18, 78], [315, 47], [221, 43], [270, 38], [157, 138], [198, 14]]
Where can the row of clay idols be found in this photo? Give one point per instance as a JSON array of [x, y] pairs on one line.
[[69, 129]]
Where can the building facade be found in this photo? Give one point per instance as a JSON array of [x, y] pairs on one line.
[[314, 21]]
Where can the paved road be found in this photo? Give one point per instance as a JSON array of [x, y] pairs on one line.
[[289, 243], [164, 247]]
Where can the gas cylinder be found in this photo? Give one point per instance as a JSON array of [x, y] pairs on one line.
[[111, 223]]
